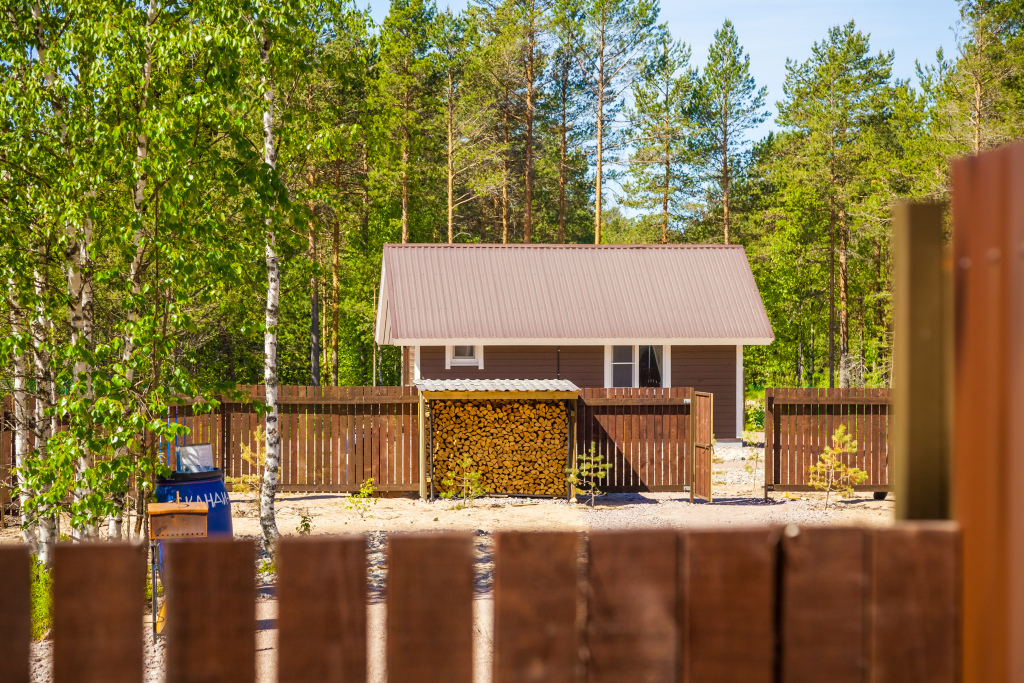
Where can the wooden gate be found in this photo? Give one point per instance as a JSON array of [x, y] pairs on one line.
[[701, 412]]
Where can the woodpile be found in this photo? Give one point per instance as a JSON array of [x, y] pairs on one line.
[[517, 446]]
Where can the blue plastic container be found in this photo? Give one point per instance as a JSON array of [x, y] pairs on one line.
[[200, 487]]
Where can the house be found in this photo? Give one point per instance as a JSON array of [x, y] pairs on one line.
[[596, 315]]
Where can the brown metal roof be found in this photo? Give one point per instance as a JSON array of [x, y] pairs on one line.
[[568, 294]]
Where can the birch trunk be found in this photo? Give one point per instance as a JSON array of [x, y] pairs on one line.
[[22, 418], [268, 520], [43, 427], [80, 297]]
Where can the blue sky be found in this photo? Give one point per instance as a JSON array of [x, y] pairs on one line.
[[772, 30]]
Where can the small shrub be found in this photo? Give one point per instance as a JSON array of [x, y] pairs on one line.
[[268, 567], [305, 526], [362, 501], [753, 414], [253, 482], [590, 468], [831, 473], [42, 600], [466, 485], [751, 465]]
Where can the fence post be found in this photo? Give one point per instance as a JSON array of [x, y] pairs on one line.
[[988, 462], [921, 424]]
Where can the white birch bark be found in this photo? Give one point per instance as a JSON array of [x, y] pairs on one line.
[[268, 521], [81, 309], [43, 425], [22, 418]]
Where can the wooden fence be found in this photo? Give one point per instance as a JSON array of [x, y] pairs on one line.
[[799, 423], [644, 433], [836, 604], [333, 438]]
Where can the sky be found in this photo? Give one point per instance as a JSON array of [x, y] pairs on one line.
[[773, 30]]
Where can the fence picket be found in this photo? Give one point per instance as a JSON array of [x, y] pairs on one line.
[[427, 644], [211, 611], [823, 592], [535, 635], [15, 613], [98, 584], [632, 629], [728, 582], [915, 603], [321, 610]]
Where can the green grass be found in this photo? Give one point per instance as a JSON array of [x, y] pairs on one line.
[[42, 600]]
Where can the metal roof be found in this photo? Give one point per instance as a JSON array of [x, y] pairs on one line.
[[496, 385], [569, 294]]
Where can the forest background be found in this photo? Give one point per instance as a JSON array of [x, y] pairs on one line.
[[194, 195]]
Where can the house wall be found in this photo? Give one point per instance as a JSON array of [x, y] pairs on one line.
[[712, 369], [705, 368]]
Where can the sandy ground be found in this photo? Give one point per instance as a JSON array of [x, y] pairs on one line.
[[735, 504]]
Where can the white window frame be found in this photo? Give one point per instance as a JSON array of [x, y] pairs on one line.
[[666, 364], [476, 362]]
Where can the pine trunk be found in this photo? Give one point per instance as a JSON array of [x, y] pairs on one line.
[[844, 319]]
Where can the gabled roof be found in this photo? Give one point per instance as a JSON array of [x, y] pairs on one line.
[[568, 294]]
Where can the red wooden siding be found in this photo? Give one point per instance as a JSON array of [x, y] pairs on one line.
[[711, 369]]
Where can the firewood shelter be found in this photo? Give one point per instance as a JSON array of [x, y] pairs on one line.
[[517, 433]]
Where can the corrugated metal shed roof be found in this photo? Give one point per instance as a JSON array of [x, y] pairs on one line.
[[496, 385], [537, 294]]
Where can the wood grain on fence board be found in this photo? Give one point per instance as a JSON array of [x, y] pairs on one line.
[[430, 608], [535, 604], [632, 632], [823, 604], [728, 606], [15, 613], [988, 219], [915, 603], [321, 610], [211, 611], [98, 605]]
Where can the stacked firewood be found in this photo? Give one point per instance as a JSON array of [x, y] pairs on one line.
[[517, 446]]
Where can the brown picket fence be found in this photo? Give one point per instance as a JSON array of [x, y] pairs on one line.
[[837, 604], [645, 434], [334, 438], [800, 423]]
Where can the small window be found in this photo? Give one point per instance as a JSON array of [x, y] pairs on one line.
[[464, 355], [642, 365], [622, 366], [650, 366]]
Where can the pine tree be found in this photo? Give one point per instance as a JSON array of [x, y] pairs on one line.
[[659, 169], [836, 102], [729, 106], [405, 95], [612, 35]]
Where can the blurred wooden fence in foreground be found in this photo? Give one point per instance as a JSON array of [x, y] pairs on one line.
[[807, 604]]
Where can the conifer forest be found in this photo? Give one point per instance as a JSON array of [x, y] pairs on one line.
[[195, 194]]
